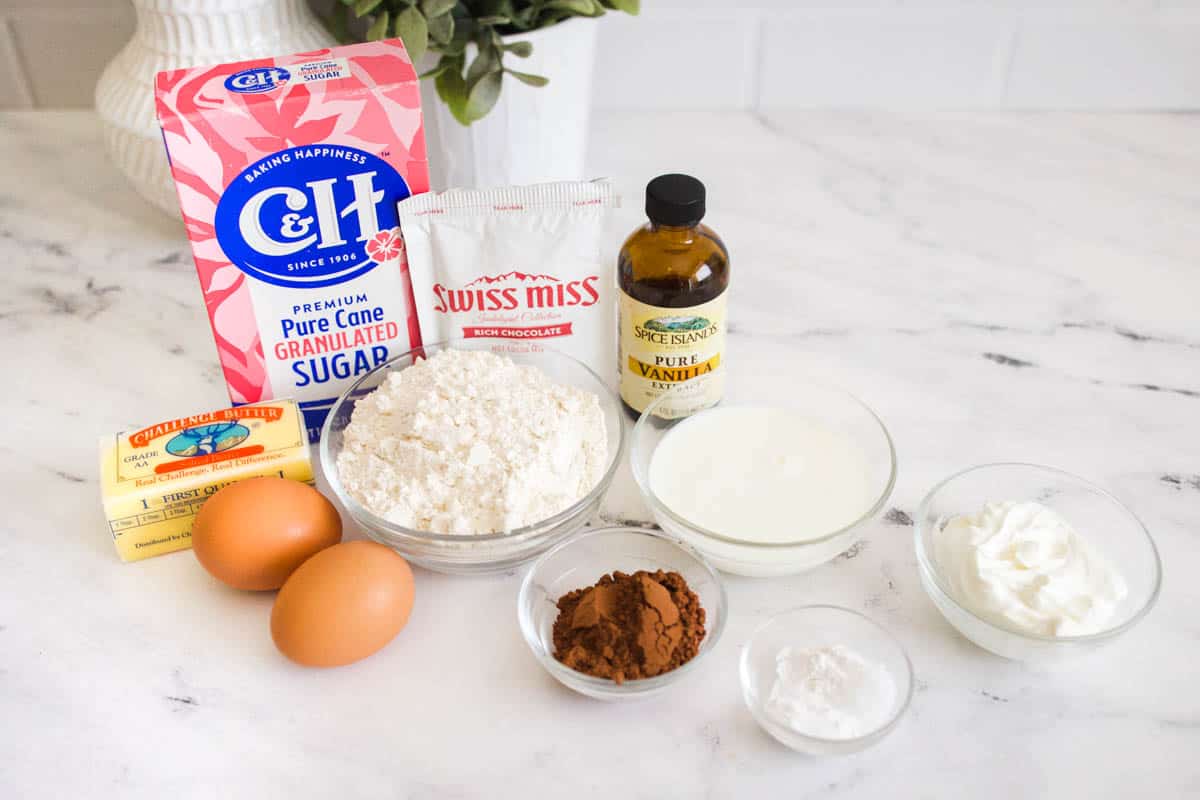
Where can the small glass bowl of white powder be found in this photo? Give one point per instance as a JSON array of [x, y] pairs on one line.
[[1033, 563], [464, 460], [825, 680]]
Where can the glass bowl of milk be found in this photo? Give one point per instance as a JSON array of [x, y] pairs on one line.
[[776, 478]]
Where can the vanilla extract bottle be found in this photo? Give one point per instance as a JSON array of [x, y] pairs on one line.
[[673, 273]]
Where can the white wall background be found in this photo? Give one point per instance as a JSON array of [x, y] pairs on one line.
[[764, 54]]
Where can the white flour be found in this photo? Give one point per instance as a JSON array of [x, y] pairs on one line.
[[467, 442], [830, 692]]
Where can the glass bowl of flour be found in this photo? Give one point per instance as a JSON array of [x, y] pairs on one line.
[[466, 460], [777, 478]]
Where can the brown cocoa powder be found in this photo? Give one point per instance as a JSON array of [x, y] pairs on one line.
[[627, 627]]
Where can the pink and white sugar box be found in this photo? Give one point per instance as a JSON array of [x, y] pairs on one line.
[[289, 170]]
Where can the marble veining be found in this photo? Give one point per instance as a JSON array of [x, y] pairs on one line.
[[996, 287]]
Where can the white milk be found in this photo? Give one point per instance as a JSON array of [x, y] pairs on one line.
[[761, 474]]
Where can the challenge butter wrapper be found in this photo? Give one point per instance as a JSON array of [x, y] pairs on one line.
[[289, 170], [154, 480]]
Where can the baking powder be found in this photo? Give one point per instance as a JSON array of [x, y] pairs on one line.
[[830, 692], [468, 442]]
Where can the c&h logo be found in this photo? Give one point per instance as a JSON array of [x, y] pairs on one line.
[[257, 80], [307, 217]]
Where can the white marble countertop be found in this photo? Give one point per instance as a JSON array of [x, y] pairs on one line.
[[1003, 287]]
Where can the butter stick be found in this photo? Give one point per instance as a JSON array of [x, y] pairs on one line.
[[153, 480]]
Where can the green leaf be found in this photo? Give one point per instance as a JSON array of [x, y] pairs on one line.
[[483, 96], [488, 60], [519, 49], [628, 6], [435, 71], [581, 7], [525, 77], [379, 27], [494, 19], [458, 42], [554, 16], [410, 26], [441, 28], [364, 7], [492, 8], [526, 18], [436, 8], [335, 23], [453, 89]]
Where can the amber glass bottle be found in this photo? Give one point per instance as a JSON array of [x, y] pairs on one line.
[[673, 274]]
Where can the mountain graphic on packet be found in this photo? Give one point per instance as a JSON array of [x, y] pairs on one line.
[[289, 170]]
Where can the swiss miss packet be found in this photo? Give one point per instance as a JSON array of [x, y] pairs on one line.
[[523, 266], [288, 171]]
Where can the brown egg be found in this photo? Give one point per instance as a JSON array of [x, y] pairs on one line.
[[343, 604], [254, 533]]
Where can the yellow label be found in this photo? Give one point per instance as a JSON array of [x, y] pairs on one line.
[[154, 480], [663, 347]]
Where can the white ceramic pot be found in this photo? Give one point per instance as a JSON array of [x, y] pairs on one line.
[[533, 134], [186, 33]]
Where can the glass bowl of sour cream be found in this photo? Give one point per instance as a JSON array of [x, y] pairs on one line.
[[777, 478], [1033, 563]]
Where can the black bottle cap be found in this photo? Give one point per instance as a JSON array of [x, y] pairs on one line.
[[675, 200]]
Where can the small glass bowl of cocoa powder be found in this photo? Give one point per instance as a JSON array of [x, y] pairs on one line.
[[598, 577]]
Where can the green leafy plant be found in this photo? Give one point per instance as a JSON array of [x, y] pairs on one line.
[[447, 27]]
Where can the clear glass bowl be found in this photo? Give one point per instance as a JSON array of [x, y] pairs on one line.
[[735, 551], [580, 562], [821, 626], [1099, 517], [489, 552]]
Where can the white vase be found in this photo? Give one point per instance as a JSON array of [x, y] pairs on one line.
[[533, 134], [187, 33]]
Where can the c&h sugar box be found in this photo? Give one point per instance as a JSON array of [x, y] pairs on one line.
[[289, 170]]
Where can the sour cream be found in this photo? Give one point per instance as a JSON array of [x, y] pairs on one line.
[[1021, 565]]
